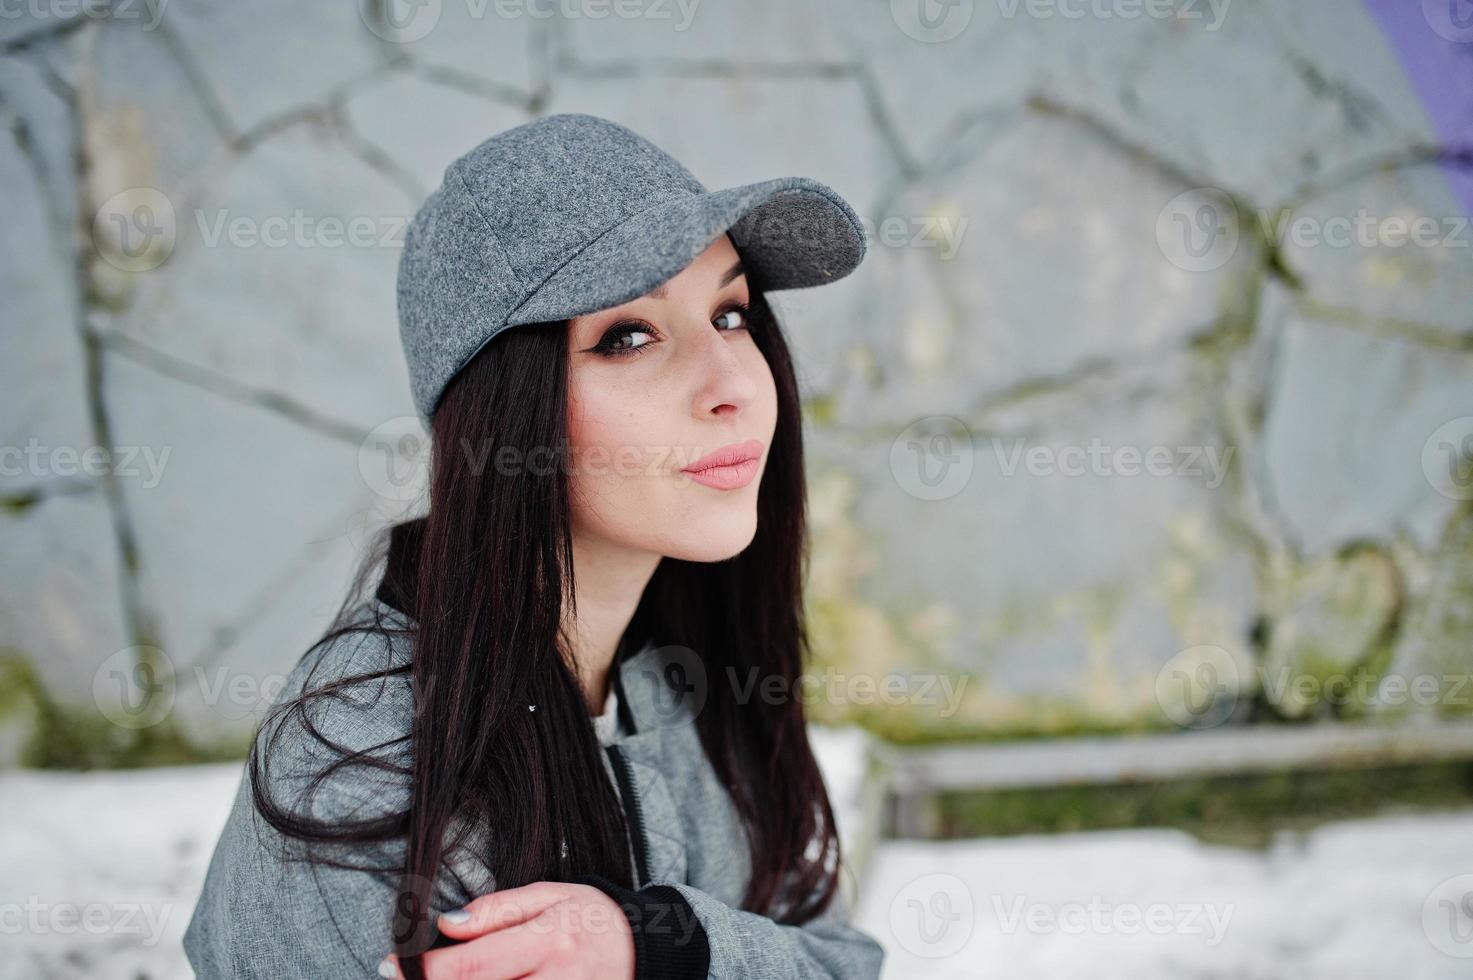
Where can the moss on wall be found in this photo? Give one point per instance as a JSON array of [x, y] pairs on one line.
[[1243, 810], [40, 732]]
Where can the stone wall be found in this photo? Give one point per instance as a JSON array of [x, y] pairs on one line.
[[1143, 409]]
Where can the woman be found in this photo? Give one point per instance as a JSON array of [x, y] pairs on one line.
[[592, 639]]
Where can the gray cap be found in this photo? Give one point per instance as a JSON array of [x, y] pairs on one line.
[[573, 213]]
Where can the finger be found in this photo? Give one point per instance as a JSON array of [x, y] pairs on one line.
[[501, 909], [504, 954]]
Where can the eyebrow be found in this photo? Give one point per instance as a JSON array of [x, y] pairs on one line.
[[736, 269]]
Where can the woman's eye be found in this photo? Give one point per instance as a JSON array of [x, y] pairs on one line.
[[611, 341], [621, 340], [740, 313]]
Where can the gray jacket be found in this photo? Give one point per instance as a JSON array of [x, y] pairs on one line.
[[262, 916]]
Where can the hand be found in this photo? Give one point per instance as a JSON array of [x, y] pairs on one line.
[[547, 929]]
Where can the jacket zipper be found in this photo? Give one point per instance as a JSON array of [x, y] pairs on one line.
[[633, 813]]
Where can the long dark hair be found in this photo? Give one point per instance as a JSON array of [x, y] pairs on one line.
[[491, 574]]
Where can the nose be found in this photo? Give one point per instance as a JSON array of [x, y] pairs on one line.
[[725, 381]]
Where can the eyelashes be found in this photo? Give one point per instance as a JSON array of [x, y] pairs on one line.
[[608, 343], [744, 309]]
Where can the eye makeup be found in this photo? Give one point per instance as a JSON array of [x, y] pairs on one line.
[[608, 345]]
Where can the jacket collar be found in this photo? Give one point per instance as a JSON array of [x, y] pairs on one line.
[[639, 678], [396, 588]]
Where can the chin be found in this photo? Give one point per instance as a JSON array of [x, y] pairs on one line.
[[716, 540]]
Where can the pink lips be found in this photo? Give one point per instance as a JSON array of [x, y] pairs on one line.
[[729, 467]]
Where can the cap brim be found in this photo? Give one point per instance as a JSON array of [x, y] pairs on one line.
[[790, 231]]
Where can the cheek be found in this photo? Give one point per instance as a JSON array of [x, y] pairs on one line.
[[765, 405], [614, 439]]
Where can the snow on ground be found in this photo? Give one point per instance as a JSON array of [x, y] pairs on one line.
[[1388, 897], [99, 872]]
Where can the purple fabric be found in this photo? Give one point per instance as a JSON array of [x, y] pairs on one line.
[[1434, 41]]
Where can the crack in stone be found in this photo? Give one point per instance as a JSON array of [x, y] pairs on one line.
[[472, 84], [1389, 328], [1360, 110], [703, 68], [53, 81], [1358, 105], [311, 114], [24, 142], [1242, 406], [267, 597], [224, 386], [42, 35], [871, 93], [21, 500], [1412, 155], [142, 623], [139, 622], [202, 88], [1046, 104], [969, 134], [1099, 372], [373, 156], [1240, 419]]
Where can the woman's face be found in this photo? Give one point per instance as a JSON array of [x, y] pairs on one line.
[[654, 385]]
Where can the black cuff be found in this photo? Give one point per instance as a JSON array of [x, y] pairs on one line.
[[669, 940]]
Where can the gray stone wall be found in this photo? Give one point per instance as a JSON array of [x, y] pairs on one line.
[[1116, 426]]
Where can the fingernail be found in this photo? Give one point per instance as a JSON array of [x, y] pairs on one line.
[[457, 917], [386, 968]]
